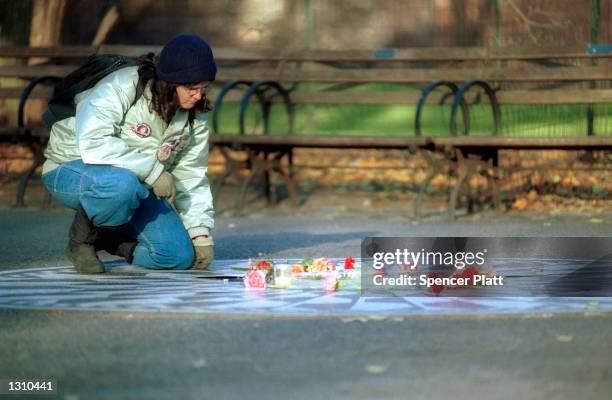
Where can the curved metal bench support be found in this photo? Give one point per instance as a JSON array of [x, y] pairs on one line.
[[219, 100], [460, 101], [264, 86], [484, 164], [231, 164], [433, 166], [36, 148], [421, 103]]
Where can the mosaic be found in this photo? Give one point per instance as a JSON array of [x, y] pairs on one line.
[[220, 291]]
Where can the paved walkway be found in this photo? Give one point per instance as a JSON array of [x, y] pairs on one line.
[[189, 338]]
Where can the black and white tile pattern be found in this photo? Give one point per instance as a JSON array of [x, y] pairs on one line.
[[60, 288]]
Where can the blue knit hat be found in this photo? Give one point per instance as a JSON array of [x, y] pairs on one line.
[[186, 59]]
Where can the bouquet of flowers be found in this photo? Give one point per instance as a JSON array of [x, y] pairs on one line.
[[262, 272]]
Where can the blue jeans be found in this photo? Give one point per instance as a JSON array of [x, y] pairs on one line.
[[113, 196]]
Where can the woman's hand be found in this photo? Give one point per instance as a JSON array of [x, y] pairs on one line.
[[203, 246], [164, 187]]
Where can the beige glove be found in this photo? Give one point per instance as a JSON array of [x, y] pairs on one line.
[[203, 246], [164, 187]]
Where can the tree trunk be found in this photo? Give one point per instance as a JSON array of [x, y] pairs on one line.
[[45, 30], [109, 21], [46, 26]]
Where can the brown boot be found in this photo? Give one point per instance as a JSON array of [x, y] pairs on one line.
[[80, 250]]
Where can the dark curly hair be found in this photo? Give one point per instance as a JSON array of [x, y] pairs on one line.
[[164, 100]]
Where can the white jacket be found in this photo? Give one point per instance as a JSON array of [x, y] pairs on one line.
[[110, 129]]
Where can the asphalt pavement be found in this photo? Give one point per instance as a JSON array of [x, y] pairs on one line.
[[33, 237], [95, 355]]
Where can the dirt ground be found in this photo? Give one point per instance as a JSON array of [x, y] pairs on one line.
[[385, 183]]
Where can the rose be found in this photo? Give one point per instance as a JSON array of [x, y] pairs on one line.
[[408, 267], [468, 274], [255, 279], [263, 264], [349, 263], [436, 289], [380, 272]]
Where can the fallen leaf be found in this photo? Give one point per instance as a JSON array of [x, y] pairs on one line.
[[520, 204], [532, 195], [565, 338], [376, 368], [596, 220], [201, 363], [354, 319], [376, 317]]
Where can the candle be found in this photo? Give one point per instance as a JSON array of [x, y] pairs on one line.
[[282, 275]]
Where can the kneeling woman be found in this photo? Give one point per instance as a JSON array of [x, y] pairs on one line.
[[134, 167]]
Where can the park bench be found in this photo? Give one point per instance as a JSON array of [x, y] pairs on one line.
[[465, 159], [265, 154], [472, 155], [274, 77]]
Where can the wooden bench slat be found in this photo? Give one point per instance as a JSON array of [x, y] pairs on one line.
[[403, 142], [67, 52], [564, 96], [517, 143], [419, 75], [35, 71], [388, 75], [15, 93], [379, 55], [548, 96], [354, 142], [558, 96]]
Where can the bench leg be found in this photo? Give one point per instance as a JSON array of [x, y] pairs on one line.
[[290, 160], [267, 184], [24, 180], [231, 166], [492, 181], [218, 184], [288, 178], [256, 170], [463, 173], [432, 170]]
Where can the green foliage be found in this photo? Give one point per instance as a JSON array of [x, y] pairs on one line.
[[398, 120]]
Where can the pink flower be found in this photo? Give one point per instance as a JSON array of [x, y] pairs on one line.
[[255, 279], [330, 282]]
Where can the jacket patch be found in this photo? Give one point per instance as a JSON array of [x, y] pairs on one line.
[[143, 130], [182, 142]]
